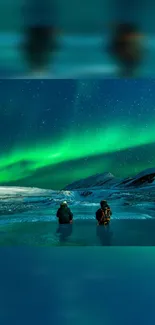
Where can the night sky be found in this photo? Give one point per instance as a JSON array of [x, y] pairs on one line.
[[54, 132]]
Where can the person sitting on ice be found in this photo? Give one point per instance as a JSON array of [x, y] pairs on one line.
[[64, 214], [126, 48], [103, 214]]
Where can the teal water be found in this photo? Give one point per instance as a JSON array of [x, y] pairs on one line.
[[81, 233], [77, 285]]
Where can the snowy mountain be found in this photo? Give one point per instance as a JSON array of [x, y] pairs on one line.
[[145, 178], [109, 181], [99, 180], [90, 190]]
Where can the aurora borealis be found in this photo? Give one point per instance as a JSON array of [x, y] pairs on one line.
[[54, 132]]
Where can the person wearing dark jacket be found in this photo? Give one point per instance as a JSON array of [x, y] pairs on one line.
[[64, 214], [39, 46], [41, 34], [103, 214], [126, 48]]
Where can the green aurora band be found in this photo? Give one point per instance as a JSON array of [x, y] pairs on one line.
[[77, 145]]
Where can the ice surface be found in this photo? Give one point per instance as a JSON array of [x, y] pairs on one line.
[[126, 204], [28, 215]]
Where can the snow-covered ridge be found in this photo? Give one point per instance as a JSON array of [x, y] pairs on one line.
[[96, 184], [109, 181], [28, 195], [97, 180], [96, 187], [28, 191]]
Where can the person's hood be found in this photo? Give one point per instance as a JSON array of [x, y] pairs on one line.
[[63, 204]]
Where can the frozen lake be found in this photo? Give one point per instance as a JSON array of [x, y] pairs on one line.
[[28, 217], [130, 226]]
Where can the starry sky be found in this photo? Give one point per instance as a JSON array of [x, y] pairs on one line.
[[54, 132]]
